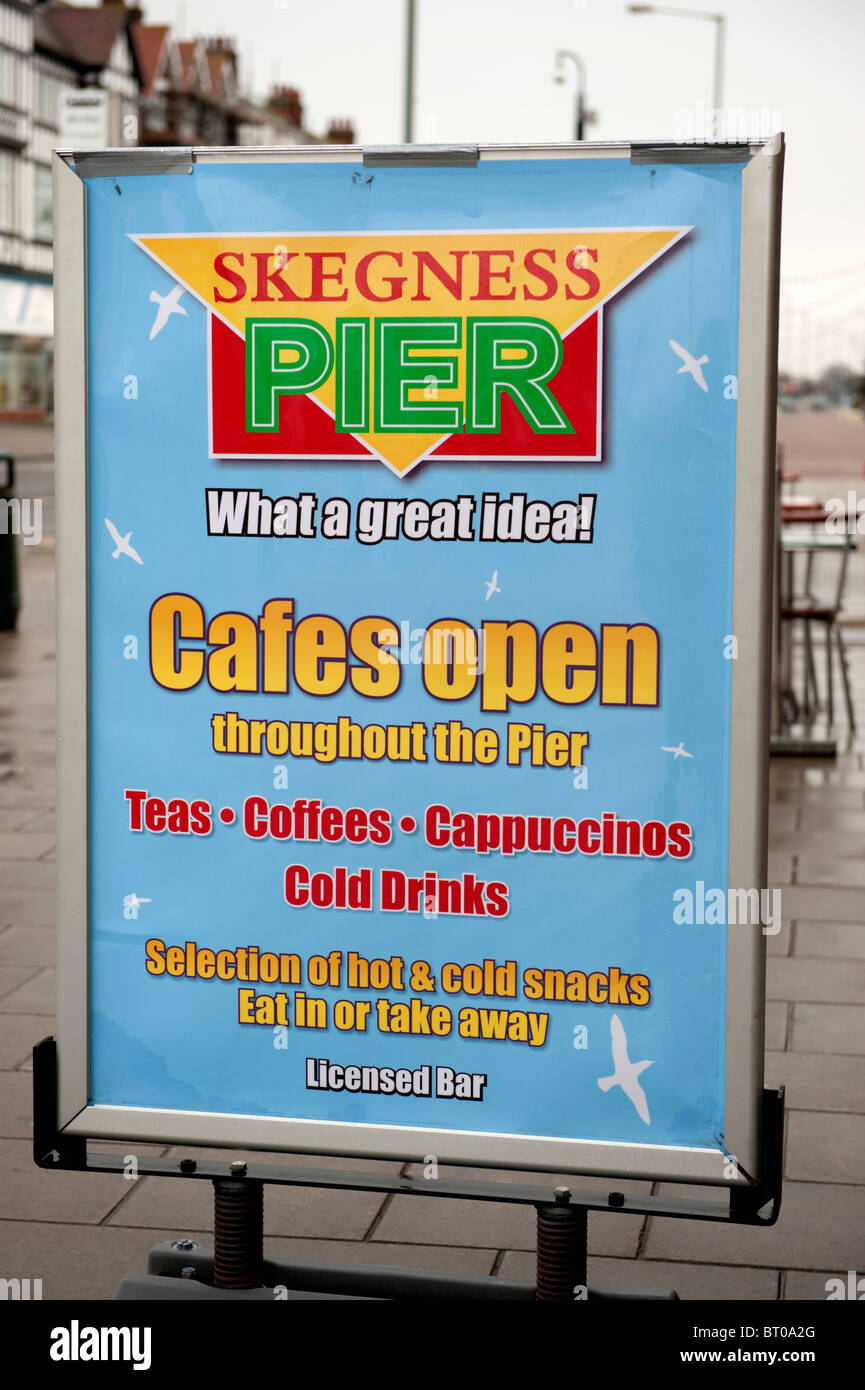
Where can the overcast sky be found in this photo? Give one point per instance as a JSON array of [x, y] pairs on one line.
[[484, 73]]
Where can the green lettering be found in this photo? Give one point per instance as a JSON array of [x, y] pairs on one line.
[[284, 357], [524, 376]]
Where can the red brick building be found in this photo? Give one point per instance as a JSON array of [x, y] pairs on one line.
[[190, 96]]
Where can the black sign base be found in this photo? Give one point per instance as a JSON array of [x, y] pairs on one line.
[[236, 1268]]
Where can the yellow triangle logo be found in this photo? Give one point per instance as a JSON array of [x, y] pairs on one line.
[[558, 276]]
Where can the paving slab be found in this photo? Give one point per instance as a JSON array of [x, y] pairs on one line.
[[13, 818], [780, 943], [780, 869], [288, 1211], [75, 1262], [18, 1035], [824, 1147], [828, 1028], [844, 939], [27, 946], [501, 1225], [39, 795], [811, 1284], [832, 845], [54, 1196], [820, 1225], [817, 981], [300, 1211], [822, 818], [828, 872], [16, 1106], [36, 907], [838, 797], [28, 875], [777, 1025], [19, 844], [818, 1081], [825, 904], [783, 818], [38, 995], [47, 821], [12, 977], [830, 776]]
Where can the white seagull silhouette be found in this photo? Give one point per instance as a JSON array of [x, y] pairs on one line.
[[626, 1071], [492, 586], [168, 305], [691, 364], [677, 752], [122, 543]]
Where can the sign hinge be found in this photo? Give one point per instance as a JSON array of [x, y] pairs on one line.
[[115, 164], [690, 154], [419, 156]]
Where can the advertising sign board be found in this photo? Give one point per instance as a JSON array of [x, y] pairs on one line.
[[414, 599], [83, 118]]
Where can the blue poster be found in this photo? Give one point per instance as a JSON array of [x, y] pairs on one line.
[[411, 503]]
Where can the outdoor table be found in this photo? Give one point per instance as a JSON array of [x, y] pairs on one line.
[[801, 503], [799, 535]]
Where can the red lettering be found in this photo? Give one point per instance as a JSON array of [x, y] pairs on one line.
[[221, 268], [486, 274], [497, 899], [255, 817], [436, 824], [593, 284], [680, 840], [201, 821], [136, 800], [452, 283], [361, 276], [546, 276], [273, 277], [585, 829], [296, 885], [319, 275], [379, 821], [155, 814]]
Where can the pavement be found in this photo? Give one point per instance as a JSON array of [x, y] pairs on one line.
[[80, 1233]]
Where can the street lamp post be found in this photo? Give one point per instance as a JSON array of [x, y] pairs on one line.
[[408, 113], [716, 19], [581, 115]]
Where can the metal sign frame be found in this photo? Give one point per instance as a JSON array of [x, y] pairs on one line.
[[755, 451]]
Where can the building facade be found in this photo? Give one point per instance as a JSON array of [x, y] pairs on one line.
[[94, 76], [46, 50], [26, 315]]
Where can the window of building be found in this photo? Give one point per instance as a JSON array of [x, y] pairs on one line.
[[26, 375], [47, 98], [7, 191], [8, 77], [42, 223], [157, 113]]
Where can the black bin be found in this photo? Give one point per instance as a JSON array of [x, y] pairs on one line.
[[10, 598]]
